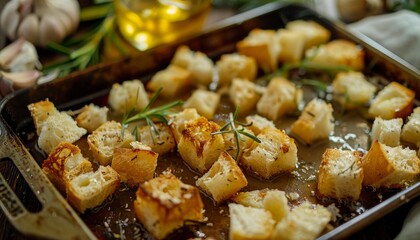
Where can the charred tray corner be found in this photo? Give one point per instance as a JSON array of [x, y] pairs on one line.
[[20, 156]]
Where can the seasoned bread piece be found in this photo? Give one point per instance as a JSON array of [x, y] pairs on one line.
[[91, 117], [198, 146], [231, 144], [337, 53], [206, 102], [134, 165], [313, 33], [304, 222], [183, 56], [259, 123], [387, 132], [315, 122], [40, 111], [393, 101], [160, 140], [164, 203], [223, 180], [260, 45], [57, 128], [64, 163], [249, 223], [386, 166], [291, 44], [411, 130], [276, 153], [352, 90], [244, 94], [105, 139], [231, 66], [281, 97], [340, 174], [178, 121], [91, 189], [130, 95], [173, 80]]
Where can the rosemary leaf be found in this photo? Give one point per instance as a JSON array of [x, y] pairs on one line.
[[95, 12]]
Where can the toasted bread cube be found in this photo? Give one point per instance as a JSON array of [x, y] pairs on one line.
[[340, 174], [260, 45], [338, 53], [130, 95], [206, 102], [393, 101], [105, 139], [259, 123], [223, 180], [276, 153], [183, 57], [173, 80], [313, 33], [198, 147], [244, 94], [292, 44], [231, 66], [231, 145], [249, 223], [386, 166], [315, 122], [91, 117], [387, 132], [91, 189], [57, 128], [178, 121], [411, 130], [134, 165], [281, 97], [161, 139], [164, 203], [304, 222], [65, 163], [40, 111], [352, 90]]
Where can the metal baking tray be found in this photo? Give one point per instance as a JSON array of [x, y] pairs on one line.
[[35, 208]]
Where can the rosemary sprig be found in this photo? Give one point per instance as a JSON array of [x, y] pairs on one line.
[[230, 127]]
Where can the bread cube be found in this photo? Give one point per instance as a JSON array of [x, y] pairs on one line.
[[231, 66], [244, 95], [198, 147], [91, 117], [259, 123], [64, 163], [40, 111], [391, 167], [57, 128], [164, 203], [276, 153], [337, 53], [315, 122], [173, 80], [178, 121], [105, 139], [134, 165], [249, 223], [304, 222], [352, 90], [387, 132], [313, 33], [231, 144], [206, 102], [291, 44], [91, 189], [183, 57], [260, 45], [340, 174], [223, 180], [393, 101], [281, 97], [411, 130], [130, 95], [161, 139]]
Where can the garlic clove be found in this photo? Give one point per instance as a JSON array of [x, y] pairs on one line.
[[70, 9], [9, 52], [50, 30], [27, 59], [10, 18], [29, 28], [64, 20], [21, 79]]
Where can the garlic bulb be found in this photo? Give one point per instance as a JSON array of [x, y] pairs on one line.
[[40, 21]]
